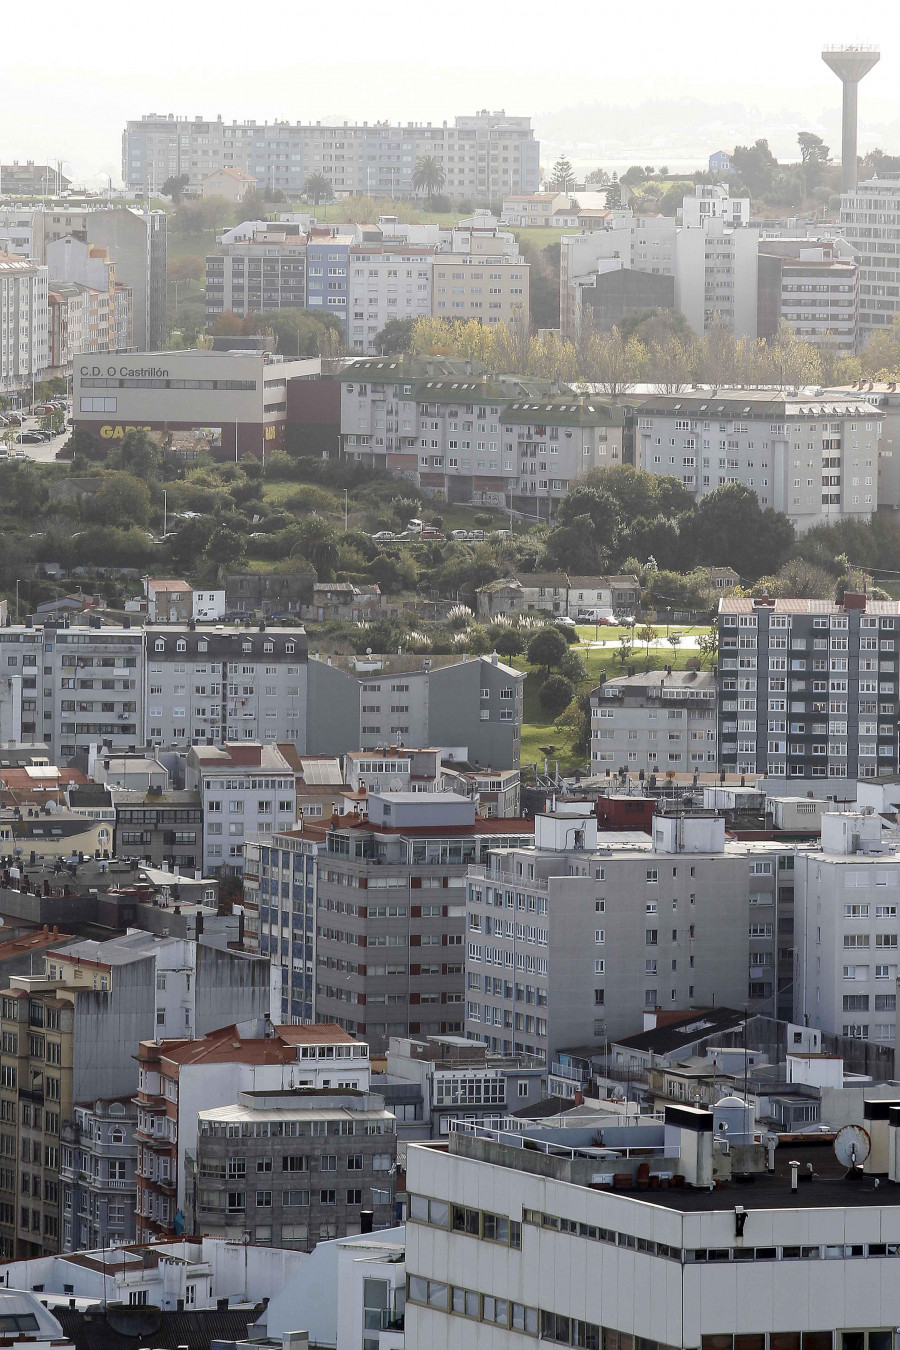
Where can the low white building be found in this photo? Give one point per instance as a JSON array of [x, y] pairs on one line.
[[524, 1231], [657, 721]]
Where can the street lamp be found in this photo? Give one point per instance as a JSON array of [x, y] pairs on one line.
[[346, 508]]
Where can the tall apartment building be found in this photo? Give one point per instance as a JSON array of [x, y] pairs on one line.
[[387, 282], [489, 289], [68, 1035], [814, 458], [71, 687], [486, 155], [280, 915], [661, 721], [328, 272], [808, 688], [716, 276], [108, 325], [245, 790], [391, 963], [24, 323], [293, 1168], [812, 285], [224, 684], [639, 243], [453, 428], [518, 1233], [98, 1171], [265, 272], [179, 1078], [570, 941], [846, 920], [134, 239], [870, 218]]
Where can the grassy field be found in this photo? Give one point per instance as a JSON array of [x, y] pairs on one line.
[[539, 730]]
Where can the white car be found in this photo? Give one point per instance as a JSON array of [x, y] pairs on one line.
[[384, 536]]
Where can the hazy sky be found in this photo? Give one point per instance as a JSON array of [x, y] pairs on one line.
[[67, 95]]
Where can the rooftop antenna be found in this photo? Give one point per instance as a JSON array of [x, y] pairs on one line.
[[850, 64]]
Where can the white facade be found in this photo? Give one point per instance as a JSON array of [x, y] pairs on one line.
[[240, 798], [813, 458], [655, 722], [384, 285], [497, 1252], [24, 323], [846, 930], [716, 275], [870, 217]]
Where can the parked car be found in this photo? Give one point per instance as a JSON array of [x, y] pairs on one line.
[[430, 532], [459, 534], [384, 536], [31, 438], [563, 621]]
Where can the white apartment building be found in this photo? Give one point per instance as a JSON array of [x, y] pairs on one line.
[[454, 429], [641, 243], [870, 217], [571, 941], [846, 929], [24, 323], [813, 457], [264, 272], [490, 288], [716, 275], [386, 283], [246, 789], [224, 684], [488, 154], [517, 1233], [713, 202], [660, 721]]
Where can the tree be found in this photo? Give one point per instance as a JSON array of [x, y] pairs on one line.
[[428, 175], [509, 643], [121, 500], [225, 548], [556, 694], [395, 337], [598, 176], [325, 558], [297, 332], [647, 634], [573, 667], [614, 200], [600, 506], [563, 174], [625, 649], [189, 267], [674, 641], [547, 648], [253, 205], [174, 186], [138, 454], [318, 188], [733, 531], [708, 645], [812, 148], [756, 166], [227, 324]]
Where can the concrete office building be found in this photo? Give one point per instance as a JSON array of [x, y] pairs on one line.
[[812, 457], [870, 219], [413, 850], [808, 688], [618, 293], [453, 428], [246, 789], [660, 721], [515, 1231], [98, 1171], [601, 929], [846, 930], [812, 285], [265, 272], [24, 323], [386, 282], [489, 289], [486, 155], [179, 1078], [241, 394], [294, 1168]]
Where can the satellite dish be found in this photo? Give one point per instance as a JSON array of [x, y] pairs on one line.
[[852, 1145], [396, 784]]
